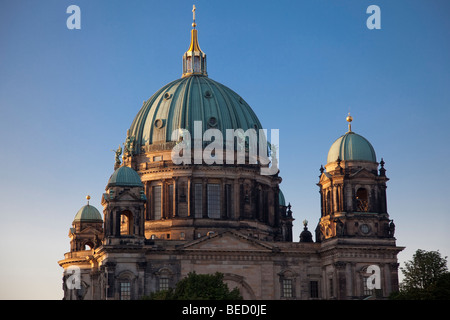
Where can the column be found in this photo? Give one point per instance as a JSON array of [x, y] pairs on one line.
[[223, 200], [236, 197], [175, 197], [189, 196], [148, 211], [163, 200], [204, 197]]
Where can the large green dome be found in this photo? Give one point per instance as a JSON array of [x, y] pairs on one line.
[[351, 146], [188, 99]]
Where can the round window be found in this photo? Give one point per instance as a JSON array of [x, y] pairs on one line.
[[364, 228], [159, 123], [212, 122]]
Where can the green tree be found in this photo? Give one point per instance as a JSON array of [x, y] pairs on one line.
[[199, 287], [426, 277]]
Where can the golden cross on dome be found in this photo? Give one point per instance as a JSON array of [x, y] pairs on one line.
[[193, 14]]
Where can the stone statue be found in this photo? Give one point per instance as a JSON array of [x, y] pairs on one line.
[[118, 152], [129, 145], [391, 228], [339, 227]]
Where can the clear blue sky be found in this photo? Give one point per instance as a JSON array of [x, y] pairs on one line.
[[67, 98]]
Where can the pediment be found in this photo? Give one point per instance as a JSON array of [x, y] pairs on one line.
[[363, 173], [126, 196], [122, 195], [228, 241], [325, 176], [89, 230]]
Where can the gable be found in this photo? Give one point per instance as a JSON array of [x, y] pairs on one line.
[[228, 241], [363, 173], [126, 196], [89, 230]]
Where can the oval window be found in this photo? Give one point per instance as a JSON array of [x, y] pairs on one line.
[[212, 122], [159, 123]]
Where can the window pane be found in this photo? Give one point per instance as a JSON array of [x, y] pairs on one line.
[[214, 201], [157, 202], [171, 200], [163, 284], [366, 290], [314, 289], [287, 288], [228, 200], [125, 291], [331, 288], [198, 200]]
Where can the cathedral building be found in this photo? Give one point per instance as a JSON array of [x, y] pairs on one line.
[[163, 219]]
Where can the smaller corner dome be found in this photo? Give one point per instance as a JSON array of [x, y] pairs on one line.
[[281, 199], [88, 213], [125, 177], [351, 147]]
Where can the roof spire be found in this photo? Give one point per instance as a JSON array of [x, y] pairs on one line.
[[349, 120], [193, 14], [194, 59]]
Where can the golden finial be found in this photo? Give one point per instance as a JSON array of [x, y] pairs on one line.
[[349, 120], [193, 14], [88, 197]]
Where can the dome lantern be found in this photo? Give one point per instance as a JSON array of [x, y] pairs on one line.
[[194, 59]]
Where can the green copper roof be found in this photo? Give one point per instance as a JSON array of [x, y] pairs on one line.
[[351, 146], [88, 213], [281, 199], [183, 101], [125, 177]]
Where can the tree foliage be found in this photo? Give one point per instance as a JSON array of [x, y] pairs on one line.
[[426, 277], [199, 287]]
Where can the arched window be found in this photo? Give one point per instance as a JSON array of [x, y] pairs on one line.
[[126, 223], [370, 280], [165, 278], [89, 245], [126, 285], [214, 201], [125, 290], [287, 284], [328, 203], [157, 208], [362, 200]]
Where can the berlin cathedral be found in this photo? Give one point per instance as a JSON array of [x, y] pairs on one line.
[[162, 220]]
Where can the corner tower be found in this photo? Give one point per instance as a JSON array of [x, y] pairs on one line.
[[355, 231], [353, 191]]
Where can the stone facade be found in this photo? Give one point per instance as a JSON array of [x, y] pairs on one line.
[[138, 255]]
